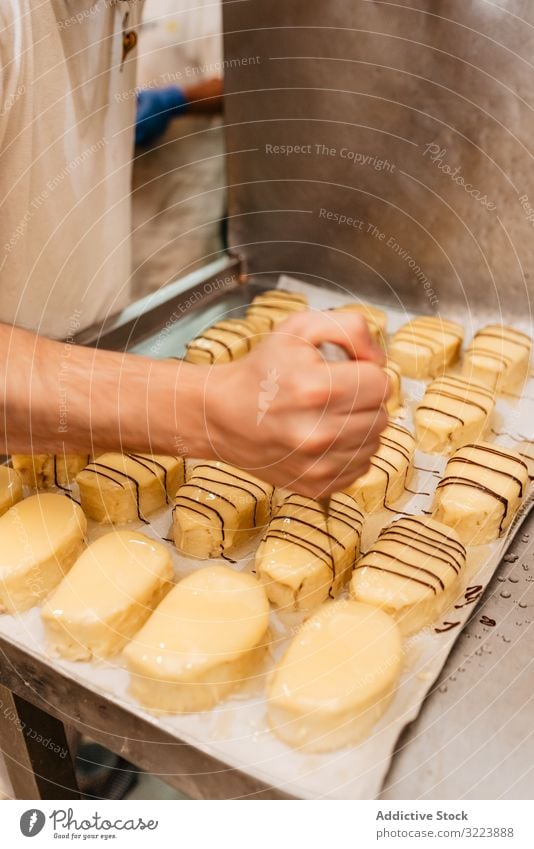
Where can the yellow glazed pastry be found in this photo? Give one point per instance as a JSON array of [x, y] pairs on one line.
[[336, 678], [303, 558], [201, 643], [219, 508], [107, 596], [118, 488], [426, 346], [40, 538], [412, 571], [10, 488], [390, 470], [481, 491], [453, 411], [499, 357]]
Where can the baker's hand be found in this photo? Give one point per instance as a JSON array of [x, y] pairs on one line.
[[295, 420]]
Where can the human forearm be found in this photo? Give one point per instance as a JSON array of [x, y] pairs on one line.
[[281, 412], [62, 397]]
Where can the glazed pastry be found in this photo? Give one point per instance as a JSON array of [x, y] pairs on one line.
[[426, 346], [270, 308], [412, 571], [10, 488], [526, 451], [227, 340], [336, 678], [40, 538], [480, 492], [390, 470], [302, 558], [40, 471], [498, 356], [219, 508], [203, 641], [453, 411], [395, 399], [375, 317], [118, 488], [107, 596]]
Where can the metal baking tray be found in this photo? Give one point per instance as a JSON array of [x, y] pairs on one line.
[[485, 662]]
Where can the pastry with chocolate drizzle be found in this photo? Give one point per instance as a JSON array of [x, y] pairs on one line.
[[42, 471], [219, 508], [273, 306], [118, 488], [498, 357], [390, 470], [413, 571], [305, 556], [225, 341], [453, 411], [426, 346], [480, 492]]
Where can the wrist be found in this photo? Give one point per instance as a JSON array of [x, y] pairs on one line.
[[178, 409]]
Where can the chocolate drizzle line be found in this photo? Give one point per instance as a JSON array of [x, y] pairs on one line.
[[133, 480], [138, 458], [395, 446], [228, 480], [325, 554], [400, 531]]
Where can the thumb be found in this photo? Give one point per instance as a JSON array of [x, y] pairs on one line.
[[348, 330]]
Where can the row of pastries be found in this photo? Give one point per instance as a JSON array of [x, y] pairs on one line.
[[189, 644]]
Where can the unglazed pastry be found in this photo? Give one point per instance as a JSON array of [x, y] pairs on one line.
[[303, 558], [118, 488], [426, 346], [412, 571], [336, 678], [10, 488], [390, 470], [498, 356], [376, 320], [453, 411], [395, 382], [205, 638], [41, 471], [223, 342], [270, 308], [219, 508], [40, 538], [480, 491], [107, 596]]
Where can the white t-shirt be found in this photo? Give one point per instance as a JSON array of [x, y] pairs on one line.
[[67, 107]]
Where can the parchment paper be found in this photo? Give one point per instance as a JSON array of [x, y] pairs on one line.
[[236, 731]]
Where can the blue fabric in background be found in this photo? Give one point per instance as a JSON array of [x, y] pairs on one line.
[[155, 109]]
